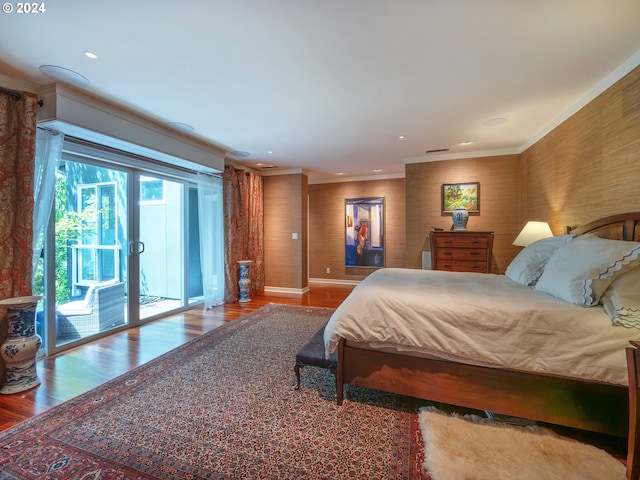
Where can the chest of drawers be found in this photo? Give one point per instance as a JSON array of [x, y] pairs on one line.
[[462, 251]]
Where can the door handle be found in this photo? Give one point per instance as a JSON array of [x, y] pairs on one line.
[[136, 248]]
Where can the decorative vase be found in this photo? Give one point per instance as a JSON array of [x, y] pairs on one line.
[[245, 280], [460, 218], [21, 346]]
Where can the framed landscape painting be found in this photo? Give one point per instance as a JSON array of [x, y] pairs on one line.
[[456, 195]]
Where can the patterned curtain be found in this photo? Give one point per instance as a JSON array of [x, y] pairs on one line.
[[17, 160], [243, 229], [17, 153]]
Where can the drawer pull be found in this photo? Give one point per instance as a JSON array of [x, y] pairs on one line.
[[447, 265], [447, 253], [448, 242], [475, 266], [475, 241], [475, 253]]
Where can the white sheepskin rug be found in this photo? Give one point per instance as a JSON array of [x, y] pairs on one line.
[[473, 448]]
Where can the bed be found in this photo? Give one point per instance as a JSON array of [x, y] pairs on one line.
[[581, 397]]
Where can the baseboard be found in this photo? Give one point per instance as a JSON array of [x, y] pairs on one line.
[[295, 291], [334, 281]]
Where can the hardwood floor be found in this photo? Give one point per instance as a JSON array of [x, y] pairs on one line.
[[78, 370]]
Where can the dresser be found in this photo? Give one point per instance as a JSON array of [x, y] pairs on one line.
[[462, 251]]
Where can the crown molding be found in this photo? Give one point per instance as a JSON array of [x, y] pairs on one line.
[[341, 179], [607, 82], [462, 155]]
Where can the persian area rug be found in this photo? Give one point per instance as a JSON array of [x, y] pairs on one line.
[[473, 448], [223, 407]]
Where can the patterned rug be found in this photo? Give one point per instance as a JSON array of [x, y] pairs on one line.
[[223, 407]]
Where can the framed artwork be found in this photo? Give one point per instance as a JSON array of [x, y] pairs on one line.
[[364, 232], [455, 195]]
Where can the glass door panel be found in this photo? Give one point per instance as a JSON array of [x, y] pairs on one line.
[[90, 233], [161, 246]]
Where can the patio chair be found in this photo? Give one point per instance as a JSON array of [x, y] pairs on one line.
[[101, 309]]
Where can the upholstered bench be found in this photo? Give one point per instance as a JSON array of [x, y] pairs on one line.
[[312, 354]]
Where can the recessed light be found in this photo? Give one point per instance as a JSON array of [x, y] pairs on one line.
[[339, 173], [465, 143], [402, 137], [377, 170], [64, 75], [493, 122], [181, 127], [270, 152], [90, 55]]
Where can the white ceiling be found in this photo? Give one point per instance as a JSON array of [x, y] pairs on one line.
[[328, 86]]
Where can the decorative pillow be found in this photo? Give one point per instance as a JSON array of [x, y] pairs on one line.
[[581, 270], [621, 300], [528, 265]]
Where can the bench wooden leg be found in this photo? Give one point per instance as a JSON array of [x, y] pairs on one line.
[[296, 370]]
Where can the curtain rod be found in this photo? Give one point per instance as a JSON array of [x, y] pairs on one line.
[[15, 95]]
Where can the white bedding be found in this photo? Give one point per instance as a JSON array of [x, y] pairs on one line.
[[481, 319]]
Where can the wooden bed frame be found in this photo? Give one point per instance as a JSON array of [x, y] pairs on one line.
[[587, 405]]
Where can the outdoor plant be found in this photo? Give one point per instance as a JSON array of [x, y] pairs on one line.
[[69, 226]]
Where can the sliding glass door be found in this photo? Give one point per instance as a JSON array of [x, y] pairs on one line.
[[90, 239], [122, 248], [161, 247]]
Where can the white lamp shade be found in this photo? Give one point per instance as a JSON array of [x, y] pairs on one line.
[[531, 232]]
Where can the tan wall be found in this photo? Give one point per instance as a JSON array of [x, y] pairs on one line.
[[285, 212], [327, 226], [589, 166], [499, 179]]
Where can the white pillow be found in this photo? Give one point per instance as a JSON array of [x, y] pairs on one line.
[[528, 265], [621, 300], [581, 270]]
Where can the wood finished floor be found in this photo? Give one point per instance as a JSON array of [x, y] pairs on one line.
[[78, 370]]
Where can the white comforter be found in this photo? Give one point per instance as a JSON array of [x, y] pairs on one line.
[[482, 319]]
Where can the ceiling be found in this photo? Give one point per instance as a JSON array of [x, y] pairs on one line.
[[329, 86]]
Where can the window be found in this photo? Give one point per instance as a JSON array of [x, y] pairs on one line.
[[152, 191], [94, 257]]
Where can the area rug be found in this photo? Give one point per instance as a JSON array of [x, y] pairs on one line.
[[223, 407], [466, 448]]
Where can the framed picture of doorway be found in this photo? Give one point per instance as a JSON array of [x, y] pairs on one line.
[[364, 232]]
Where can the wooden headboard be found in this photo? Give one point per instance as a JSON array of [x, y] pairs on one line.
[[625, 226]]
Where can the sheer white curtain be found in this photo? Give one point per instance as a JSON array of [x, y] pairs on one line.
[[211, 223], [48, 150]]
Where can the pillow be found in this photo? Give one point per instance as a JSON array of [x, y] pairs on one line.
[[621, 300], [581, 270], [527, 267]]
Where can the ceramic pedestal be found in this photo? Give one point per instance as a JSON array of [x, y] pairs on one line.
[[21, 346], [245, 280]]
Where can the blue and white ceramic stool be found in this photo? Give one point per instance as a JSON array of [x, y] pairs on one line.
[[21, 346], [245, 280]]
